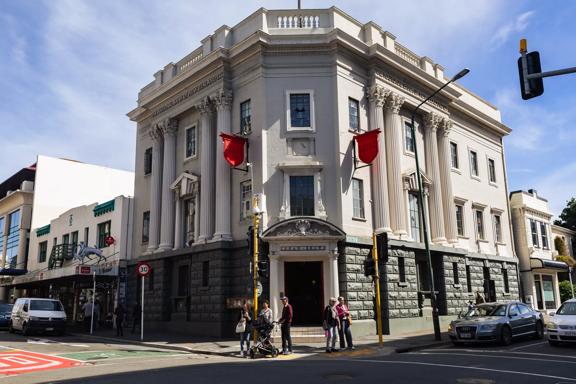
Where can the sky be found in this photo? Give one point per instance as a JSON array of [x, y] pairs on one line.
[[72, 69]]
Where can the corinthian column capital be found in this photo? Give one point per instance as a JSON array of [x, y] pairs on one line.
[[446, 125], [394, 102], [223, 99], [155, 132], [432, 121], [205, 106], [169, 127], [377, 94]]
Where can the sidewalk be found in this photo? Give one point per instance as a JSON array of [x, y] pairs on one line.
[[230, 347]]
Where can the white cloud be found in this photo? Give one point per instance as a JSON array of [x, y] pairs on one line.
[[515, 27]]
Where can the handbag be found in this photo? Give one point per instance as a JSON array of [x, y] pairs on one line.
[[349, 319], [241, 326]]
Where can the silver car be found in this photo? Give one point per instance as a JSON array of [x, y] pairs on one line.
[[496, 322]]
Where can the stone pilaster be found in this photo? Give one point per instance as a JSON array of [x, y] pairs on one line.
[[431, 123], [155, 188], [223, 101], [446, 180], [170, 130], [178, 222], [393, 133], [377, 97], [207, 191]]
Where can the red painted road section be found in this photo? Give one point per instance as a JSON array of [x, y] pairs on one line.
[[16, 362]]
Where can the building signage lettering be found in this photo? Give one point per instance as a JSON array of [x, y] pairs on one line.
[[303, 248]]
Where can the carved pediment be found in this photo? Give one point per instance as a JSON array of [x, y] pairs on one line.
[[185, 184], [303, 227]]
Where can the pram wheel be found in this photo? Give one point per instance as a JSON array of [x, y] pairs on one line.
[[274, 352], [252, 354]]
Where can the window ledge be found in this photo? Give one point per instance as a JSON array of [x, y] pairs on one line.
[[147, 174], [482, 240], [493, 184], [456, 170], [505, 293], [477, 178], [457, 286], [464, 237], [188, 159], [402, 284], [359, 219], [356, 132], [500, 243], [408, 153]]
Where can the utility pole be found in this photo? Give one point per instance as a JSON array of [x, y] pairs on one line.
[[377, 281]]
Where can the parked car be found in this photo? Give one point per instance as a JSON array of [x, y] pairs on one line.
[[562, 324], [496, 322], [38, 315], [5, 314]]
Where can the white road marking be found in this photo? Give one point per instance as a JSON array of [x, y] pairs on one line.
[[528, 346], [497, 357], [49, 341], [462, 367], [503, 351]]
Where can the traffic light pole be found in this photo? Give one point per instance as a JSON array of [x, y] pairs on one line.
[[377, 280], [255, 224]]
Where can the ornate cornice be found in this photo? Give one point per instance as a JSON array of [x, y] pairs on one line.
[[394, 102]]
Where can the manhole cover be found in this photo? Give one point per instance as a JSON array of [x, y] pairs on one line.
[[338, 376]]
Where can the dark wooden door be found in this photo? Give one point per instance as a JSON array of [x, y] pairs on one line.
[[303, 284]]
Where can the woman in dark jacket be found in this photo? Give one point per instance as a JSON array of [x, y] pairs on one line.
[[245, 336], [330, 325]]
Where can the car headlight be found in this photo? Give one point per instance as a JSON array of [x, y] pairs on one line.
[[488, 327], [552, 325]]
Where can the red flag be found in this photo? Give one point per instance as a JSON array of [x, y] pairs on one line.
[[233, 149], [367, 145]]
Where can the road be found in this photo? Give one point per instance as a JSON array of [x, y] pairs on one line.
[[527, 361]]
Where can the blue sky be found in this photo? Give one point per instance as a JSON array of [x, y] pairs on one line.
[[71, 70]]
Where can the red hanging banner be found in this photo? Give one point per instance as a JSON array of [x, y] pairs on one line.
[[367, 145], [233, 149]]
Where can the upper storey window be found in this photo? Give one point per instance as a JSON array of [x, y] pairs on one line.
[[474, 163], [300, 110], [245, 118], [354, 114], [301, 195], [191, 140], [148, 161]]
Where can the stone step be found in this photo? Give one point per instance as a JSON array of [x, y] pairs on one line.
[[301, 335]]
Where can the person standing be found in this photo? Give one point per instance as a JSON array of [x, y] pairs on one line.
[[87, 309], [285, 323], [330, 325], [245, 336], [265, 316], [120, 314], [136, 314], [345, 321]]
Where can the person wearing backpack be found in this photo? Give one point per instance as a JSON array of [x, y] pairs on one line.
[[331, 325]]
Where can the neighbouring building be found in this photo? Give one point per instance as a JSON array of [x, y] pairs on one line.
[[568, 237], [49, 189], [531, 222], [299, 85]]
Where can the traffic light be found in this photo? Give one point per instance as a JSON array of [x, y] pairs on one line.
[[369, 266], [529, 64], [382, 246], [263, 269]]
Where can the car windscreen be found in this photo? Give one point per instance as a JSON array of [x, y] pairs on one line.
[[45, 305], [5, 308], [480, 311], [499, 310], [567, 309]]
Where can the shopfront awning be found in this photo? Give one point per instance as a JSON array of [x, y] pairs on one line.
[[12, 272], [536, 263]]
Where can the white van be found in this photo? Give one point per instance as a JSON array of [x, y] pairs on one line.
[[40, 315]]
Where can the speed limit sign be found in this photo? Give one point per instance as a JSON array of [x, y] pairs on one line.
[[143, 269]]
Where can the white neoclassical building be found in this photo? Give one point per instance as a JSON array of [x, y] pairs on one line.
[[299, 85]]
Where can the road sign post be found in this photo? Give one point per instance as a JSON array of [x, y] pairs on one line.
[[143, 269]]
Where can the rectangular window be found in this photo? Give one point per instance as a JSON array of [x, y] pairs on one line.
[[473, 163], [460, 219], [86, 234], [13, 240], [183, 280], [401, 270], [358, 198], [148, 161], [479, 218], [468, 279], [103, 233], [492, 170], [205, 273], [454, 154], [354, 114], [544, 235], [455, 273], [245, 118], [245, 199], [42, 251], [74, 238], [1, 236], [300, 110], [534, 231], [145, 226], [66, 239], [409, 142], [506, 282], [302, 196], [549, 291], [414, 211], [191, 140], [498, 228]]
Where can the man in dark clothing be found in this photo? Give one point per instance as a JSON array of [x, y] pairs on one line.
[[120, 314], [136, 314], [285, 323]]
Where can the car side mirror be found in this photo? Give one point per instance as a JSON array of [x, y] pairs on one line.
[[25, 308], [551, 313]]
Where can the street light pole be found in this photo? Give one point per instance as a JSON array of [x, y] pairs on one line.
[[435, 319]]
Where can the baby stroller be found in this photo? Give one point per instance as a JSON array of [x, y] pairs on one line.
[[263, 344]]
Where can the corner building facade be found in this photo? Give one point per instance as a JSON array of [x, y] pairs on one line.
[[299, 84]]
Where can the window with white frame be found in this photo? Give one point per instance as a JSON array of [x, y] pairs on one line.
[[479, 219], [454, 154], [491, 170], [353, 114], [460, 219], [534, 232], [414, 216], [474, 163], [300, 110], [358, 198], [245, 117], [497, 227], [191, 141], [245, 199], [544, 235], [409, 141], [302, 196]]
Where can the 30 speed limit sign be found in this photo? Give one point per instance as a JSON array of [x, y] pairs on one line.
[[143, 269]]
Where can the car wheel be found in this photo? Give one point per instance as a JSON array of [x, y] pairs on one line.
[[553, 343], [25, 329], [506, 335], [539, 331]]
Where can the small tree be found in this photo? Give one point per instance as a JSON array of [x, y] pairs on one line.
[[565, 290], [568, 215], [560, 246]]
